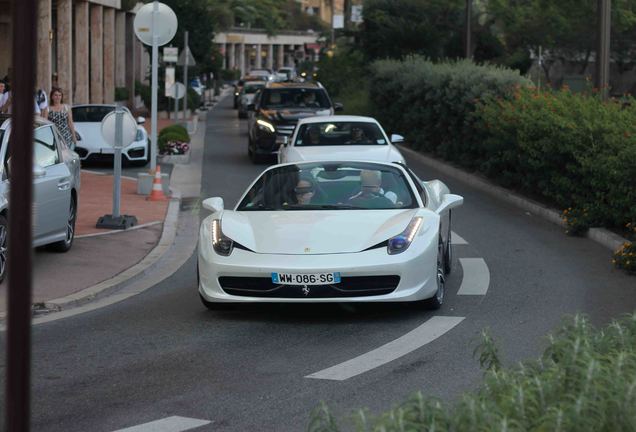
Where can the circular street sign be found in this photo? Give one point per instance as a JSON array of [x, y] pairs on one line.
[[129, 128], [165, 24], [177, 88]]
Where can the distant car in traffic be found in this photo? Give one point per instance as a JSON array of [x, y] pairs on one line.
[[334, 231], [340, 138], [91, 144], [263, 72], [56, 186], [238, 86], [276, 110], [289, 73], [246, 97]]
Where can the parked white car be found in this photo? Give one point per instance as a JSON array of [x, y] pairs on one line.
[[339, 138], [56, 187], [329, 232], [91, 144]]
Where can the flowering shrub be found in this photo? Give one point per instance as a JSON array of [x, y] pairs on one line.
[[625, 256], [174, 140], [176, 148], [577, 221]]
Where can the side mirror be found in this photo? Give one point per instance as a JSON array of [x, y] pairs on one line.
[[38, 171], [141, 120], [396, 139], [214, 204], [337, 106], [450, 201], [251, 107]]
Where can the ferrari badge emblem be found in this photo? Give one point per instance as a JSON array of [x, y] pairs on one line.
[[306, 290]]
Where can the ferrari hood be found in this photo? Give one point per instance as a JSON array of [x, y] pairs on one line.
[[301, 232], [379, 153]]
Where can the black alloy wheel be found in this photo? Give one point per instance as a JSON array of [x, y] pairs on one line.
[[65, 245], [437, 300]]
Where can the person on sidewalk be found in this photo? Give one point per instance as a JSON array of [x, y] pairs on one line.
[[41, 104], [61, 115]]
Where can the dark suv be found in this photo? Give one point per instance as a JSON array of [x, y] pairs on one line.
[[276, 110]]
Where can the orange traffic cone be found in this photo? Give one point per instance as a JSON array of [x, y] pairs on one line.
[[157, 190]]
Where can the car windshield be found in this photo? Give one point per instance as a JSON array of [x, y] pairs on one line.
[[252, 88], [93, 114], [295, 98], [330, 186], [339, 133]]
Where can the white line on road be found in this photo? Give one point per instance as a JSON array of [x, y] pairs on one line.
[[427, 332], [169, 424], [456, 239], [476, 277]]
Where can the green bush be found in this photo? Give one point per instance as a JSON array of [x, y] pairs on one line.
[[164, 139], [584, 381], [229, 74], [574, 150], [176, 130], [432, 104]]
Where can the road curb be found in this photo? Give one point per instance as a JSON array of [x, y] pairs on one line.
[[602, 236]]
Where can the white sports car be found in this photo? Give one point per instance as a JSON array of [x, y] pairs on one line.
[[91, 144], [329, 232], [340, 138]]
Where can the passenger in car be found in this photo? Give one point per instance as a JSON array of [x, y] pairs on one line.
[[370, 195]]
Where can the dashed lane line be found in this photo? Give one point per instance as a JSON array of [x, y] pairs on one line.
[[456, 239], [476, 277], [422, 335], [168, 424]]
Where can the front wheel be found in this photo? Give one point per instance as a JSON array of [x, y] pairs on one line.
[[437, 300], [4, 234], [65, 245]]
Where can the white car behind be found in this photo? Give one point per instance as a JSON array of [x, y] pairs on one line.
[[91, 144], [340, 138]]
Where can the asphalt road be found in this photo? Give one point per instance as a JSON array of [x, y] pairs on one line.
[[162, 354]]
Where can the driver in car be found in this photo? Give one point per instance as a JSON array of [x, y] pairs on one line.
[[370, 195]]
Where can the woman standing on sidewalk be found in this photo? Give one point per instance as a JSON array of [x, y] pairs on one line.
[[62, 116]]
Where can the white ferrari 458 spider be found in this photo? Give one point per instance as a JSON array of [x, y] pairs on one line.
[[329, 232]]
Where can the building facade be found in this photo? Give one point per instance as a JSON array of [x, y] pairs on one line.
[[246, 49], [86, 47]]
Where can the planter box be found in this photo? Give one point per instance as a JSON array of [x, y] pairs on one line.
[[175, 159], [144, 183]]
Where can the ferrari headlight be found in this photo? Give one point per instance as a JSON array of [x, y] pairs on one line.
[[263, 125], [139, 136], [402, 241], [222, 245]]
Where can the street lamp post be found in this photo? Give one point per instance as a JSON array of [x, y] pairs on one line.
[[603, 54]]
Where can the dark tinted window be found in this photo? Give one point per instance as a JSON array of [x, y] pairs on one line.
[[340, 133], [295, 98], [91, 113]]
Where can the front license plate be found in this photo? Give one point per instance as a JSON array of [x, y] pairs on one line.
[[306, 279]]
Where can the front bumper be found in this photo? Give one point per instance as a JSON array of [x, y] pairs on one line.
[[136, 151], [367, 275]]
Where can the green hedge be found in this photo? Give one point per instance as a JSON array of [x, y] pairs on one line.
[[584, 381], [176, 130], [432, 104], [574, 150]]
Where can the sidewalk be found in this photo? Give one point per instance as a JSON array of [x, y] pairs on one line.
[[102, 262]]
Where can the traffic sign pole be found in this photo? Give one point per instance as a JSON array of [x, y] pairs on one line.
[[185, 73], [155, 68], [119, 114]]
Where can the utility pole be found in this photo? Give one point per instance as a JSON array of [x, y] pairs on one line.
[[186, 52], [18, 372], [469, 14], [603, 53]]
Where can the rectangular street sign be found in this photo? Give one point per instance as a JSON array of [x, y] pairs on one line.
[[170, 54]]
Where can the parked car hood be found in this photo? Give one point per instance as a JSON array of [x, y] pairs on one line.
[[302, 232], [91, 133]]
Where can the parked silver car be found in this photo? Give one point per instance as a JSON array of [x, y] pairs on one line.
[[56, 186]]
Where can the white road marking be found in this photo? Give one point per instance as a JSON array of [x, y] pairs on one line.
[[427, 332], [168, 424], [476, 277], [456, 239]]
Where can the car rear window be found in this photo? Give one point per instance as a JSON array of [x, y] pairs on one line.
[[335, 133], [93, 114]]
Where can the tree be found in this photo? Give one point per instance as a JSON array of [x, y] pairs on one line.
[[397, 28]]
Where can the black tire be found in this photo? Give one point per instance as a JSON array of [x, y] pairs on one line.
[[66, 244], [448, 252], [4, 252], [437, 300]]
